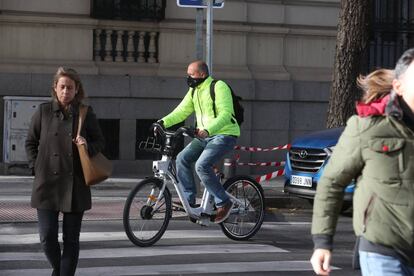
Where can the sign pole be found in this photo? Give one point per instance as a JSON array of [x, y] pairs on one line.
[[209, 36], [209, 5], [199, 34]]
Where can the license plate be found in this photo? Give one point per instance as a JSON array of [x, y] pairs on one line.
[[301, 181]]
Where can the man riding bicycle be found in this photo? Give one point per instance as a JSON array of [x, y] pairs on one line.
[[217, 133]]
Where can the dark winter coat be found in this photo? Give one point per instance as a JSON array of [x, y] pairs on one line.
[[59, 183]]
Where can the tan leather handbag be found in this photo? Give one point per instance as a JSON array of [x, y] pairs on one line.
[[96, 168]]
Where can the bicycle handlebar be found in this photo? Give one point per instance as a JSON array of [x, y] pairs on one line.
[[158, 127], [185, 131]]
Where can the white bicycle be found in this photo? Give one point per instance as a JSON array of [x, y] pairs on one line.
[[148, 208]]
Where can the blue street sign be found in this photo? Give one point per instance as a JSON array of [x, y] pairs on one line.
[[199, 3]]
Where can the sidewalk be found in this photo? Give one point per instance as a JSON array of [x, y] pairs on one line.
[[108, 198]]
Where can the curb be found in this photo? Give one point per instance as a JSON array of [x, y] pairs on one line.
[[286, 202]]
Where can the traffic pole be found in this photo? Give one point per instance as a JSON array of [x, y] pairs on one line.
[[209, 36], [229, 168], [199, 33]]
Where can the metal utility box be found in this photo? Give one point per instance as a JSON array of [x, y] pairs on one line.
[[18, 112]]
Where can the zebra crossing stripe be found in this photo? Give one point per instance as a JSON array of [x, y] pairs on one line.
[[115, 236], [10, 239], [126, 252], [275, 224], [182, 269]]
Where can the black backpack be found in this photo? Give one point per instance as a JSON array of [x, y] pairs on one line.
[[238, 108]]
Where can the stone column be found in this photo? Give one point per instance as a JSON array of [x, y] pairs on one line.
[[141, 47], [130, 46], [119, 46], [151, 48], [108, 46], [98, 46]]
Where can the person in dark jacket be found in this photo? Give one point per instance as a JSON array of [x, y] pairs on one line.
[[376, 148], [59, 185]]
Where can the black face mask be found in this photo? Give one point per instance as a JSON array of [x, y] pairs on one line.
[[194, 82]]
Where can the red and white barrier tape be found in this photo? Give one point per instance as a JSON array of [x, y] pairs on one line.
[[262, 164], [255, 149], [270, 175], [265, 177]]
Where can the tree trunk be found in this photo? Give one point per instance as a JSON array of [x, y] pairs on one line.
[[351, 42]]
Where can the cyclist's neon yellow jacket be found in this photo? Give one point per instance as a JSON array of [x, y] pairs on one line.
[[224, 123]]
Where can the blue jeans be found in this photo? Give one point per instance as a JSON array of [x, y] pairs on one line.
[[63, 264], [204, 153], [374, 264]]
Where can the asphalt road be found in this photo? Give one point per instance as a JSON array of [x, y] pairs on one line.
[[282, 247]]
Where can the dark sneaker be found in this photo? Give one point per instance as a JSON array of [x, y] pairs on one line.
[[178, 205], [223, 212]]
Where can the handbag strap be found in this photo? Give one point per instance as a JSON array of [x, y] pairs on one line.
[[83, 109]]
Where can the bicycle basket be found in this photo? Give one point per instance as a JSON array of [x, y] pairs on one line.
[[150, 145]]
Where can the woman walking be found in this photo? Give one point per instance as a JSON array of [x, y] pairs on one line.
[[376, 149], [59, 185]]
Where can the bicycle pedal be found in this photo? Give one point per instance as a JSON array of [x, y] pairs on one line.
[[203, 222]]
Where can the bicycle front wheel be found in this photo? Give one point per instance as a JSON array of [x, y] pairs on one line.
[[247, 215], [145, 220]]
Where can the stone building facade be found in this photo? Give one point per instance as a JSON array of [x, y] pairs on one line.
[[278, 55]]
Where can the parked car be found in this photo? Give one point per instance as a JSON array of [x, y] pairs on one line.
[[306, 160]]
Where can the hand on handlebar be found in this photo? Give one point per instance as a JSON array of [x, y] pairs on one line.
[[159, 128], [160, 122], [202, 133], [186, 131]]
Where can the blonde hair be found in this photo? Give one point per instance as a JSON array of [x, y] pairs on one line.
[[73, 75], [376, 85]]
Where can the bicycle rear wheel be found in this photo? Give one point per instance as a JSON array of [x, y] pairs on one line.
[[246, 217], [145, 220]]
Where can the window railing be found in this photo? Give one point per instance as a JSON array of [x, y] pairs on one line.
[[133, 10], [125, 46]]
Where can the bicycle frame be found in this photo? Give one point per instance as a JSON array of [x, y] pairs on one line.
[[165, 170], [148, 207]]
